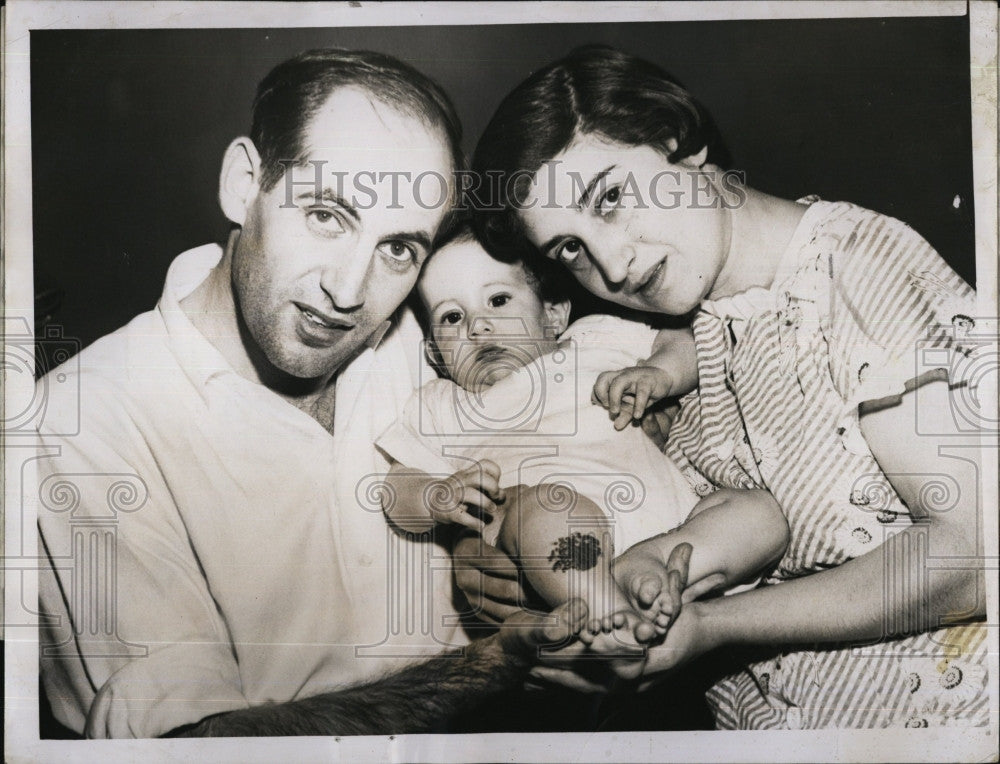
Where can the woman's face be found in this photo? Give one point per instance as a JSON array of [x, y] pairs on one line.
[[631, 226]]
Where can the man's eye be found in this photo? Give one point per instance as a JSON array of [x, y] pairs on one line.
[[398, 251], [499, 300], [451, 317], [569, 251], [608, 203], [324, 222]]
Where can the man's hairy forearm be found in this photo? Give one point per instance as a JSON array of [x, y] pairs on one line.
[[416, 699]]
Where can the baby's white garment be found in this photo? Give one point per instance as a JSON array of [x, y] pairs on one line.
[[540, 426]]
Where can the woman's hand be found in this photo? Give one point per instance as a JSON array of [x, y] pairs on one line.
[[488, 578], [689, 636]]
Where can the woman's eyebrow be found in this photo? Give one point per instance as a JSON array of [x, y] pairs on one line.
[[584, 200]]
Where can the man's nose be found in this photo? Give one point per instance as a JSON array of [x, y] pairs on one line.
[[347, 281]]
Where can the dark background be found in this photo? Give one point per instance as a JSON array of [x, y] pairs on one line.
[[129, 127]]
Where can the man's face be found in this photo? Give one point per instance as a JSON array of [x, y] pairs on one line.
[[331, 251]]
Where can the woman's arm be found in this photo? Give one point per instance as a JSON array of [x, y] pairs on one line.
[[894, 589]]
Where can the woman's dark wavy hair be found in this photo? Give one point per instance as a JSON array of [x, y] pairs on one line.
[[595, 89], [291, 94]]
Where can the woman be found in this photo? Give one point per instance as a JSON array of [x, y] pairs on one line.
[[809, 318]]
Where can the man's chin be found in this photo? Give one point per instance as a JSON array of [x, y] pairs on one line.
[[316, 366]]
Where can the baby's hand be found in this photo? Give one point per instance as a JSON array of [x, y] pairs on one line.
[[652, 589], [627, 393], [449, 500]]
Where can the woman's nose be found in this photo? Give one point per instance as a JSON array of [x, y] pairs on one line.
[[614, 263]]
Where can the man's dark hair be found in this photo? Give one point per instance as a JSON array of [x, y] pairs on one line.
[[596, 89], [294, 91]]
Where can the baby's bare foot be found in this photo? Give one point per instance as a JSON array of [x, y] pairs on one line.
[[527, 632], [614, 637]]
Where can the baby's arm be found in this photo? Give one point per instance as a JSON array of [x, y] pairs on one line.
[[415, 500], [671, 370], [734, 534]]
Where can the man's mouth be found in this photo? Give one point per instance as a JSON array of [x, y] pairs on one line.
[[324, 320]]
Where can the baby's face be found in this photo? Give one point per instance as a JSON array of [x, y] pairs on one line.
[[486, 320]]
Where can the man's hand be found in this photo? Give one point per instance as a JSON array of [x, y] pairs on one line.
[[526, 633], [478, 486], [627, 393], [489, 579]]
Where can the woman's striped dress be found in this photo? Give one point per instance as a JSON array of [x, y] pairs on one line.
[[781, 374]]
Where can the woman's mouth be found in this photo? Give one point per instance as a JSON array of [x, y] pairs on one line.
[[652, 280]]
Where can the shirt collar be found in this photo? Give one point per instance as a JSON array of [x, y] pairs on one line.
[[756, 300], [199, 359]]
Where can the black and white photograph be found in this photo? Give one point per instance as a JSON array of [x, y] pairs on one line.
[[503, 381]]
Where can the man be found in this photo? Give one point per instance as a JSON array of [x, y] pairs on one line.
[[212, 552]]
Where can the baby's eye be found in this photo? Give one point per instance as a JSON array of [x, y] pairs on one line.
[[499, 300], [569, 251], [451, 317], [608, 203]]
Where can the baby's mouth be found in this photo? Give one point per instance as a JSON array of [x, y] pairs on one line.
[[490, 353]]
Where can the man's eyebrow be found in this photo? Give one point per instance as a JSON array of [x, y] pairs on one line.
[[331, 198], [589, 190]]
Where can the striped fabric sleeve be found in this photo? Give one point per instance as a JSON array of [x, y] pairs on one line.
[[896, 312]]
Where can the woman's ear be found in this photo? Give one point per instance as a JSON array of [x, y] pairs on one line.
[[694, 161], [557, 315], [238, 181]]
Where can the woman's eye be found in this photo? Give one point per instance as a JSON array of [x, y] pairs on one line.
[[398, 251], [499, 300], [324, 221], [609, 202], [451, 317], [569, 251]]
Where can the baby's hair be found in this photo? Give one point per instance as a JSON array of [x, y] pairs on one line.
[[546, 279]]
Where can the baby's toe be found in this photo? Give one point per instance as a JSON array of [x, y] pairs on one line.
[[645, 632], [648, 591]]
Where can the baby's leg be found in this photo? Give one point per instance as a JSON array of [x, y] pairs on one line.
[[563, 542]]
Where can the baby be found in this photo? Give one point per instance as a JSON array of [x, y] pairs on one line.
[[511, 445]]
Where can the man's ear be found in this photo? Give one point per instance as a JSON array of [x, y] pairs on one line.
[[238, 181], [694, 161], [557, 315]]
